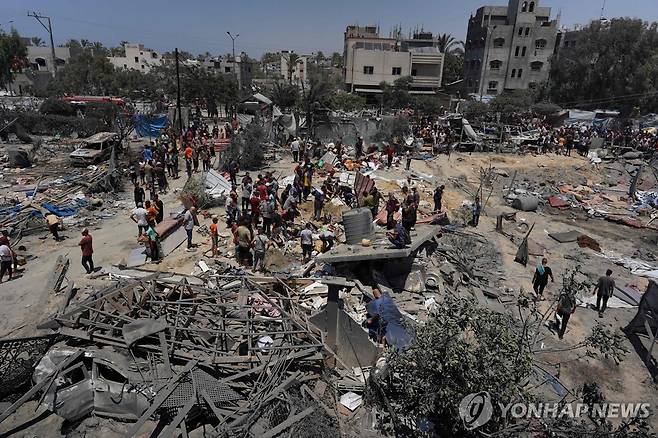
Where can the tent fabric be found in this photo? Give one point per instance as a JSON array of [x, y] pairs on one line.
[[150, 126], [58, 211]]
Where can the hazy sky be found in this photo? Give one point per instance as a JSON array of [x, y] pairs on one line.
[[268, 25]]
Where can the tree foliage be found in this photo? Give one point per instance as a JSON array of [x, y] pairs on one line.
[[396, 95], [347, 102], [13, 56], [613, 65], [453, 67], [284, 95], [462, 349]]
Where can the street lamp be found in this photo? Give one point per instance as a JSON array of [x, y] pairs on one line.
[[233, 38]]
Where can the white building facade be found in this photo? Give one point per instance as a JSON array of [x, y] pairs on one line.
[[137, 58]]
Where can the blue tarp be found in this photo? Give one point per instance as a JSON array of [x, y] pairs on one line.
[[150, 126], [59, 211], [390, 319]]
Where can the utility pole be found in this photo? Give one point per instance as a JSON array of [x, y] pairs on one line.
[[235, 71], [180, 115], [49, 29]]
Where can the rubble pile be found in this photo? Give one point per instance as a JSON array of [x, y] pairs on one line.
[[188, 351]]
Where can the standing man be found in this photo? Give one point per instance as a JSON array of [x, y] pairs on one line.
[[5, 262], [392, 206], [188, 160], [261, 243], [318, 204], [53, 225], [306, 238], [140, 195], [157, 202], [540, 279], [476, 211], [294, 148], [565, 308], [438, 197], [245, 241], [87, 251], [214, 236], [603, 290], [4, 240], [188, 223], [358, 147], [138, 215], [233, 168], [154, 242]]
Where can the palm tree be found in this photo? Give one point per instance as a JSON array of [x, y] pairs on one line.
[[448, 44], [292, 59], [37, 42]]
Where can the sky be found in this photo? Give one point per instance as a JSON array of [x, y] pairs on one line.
[[304, 26]]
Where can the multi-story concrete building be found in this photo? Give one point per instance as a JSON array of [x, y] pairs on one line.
[[224, 65], [296, 72], [137, 57], [369, 59], [508, 47]]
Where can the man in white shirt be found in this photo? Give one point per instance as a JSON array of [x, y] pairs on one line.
[[139, 215], [6, 259], [188, 224], [294, 147], [306, 237]]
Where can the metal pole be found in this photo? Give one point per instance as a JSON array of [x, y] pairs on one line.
[[180, 116], [52, 47], [235, 71], [49, 29]]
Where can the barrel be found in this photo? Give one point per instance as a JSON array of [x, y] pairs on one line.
[[358, 225]]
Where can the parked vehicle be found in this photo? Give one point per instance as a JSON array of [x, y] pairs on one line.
[[94, 149]]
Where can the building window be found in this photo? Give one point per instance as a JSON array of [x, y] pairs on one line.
[[493, 85], [142, 66], [499, 42], [516, 52], [396, 71], [368, 70], [413, 71], [495, 65], [540, 44], [141, 53], [527, 31], [520, 72], [524, 7], [513, 72], [154, 55], [136, 59], [227, 69], [520, 31], [532, 7], [125, 66], [532, 85], [523, 51], [536, 66]]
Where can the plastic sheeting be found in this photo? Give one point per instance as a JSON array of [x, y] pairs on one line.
[[59, 211], [150, 126]]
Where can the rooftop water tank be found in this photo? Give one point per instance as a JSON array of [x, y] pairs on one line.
[[358, 225]]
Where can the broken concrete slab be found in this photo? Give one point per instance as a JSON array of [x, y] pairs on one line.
[[569, 236]]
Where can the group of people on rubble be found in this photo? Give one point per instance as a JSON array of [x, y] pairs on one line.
[[566, 302]]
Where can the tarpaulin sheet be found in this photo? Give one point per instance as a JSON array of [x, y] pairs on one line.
[[59, 211], [150, 126]]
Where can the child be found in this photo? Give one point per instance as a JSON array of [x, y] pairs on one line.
[[214, 236]]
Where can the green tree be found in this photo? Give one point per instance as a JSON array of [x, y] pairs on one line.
[[319, 57], [447, 43], [347, 102], [613, 65], [85, 74], [270, 57], [453, 67], [38, 42], [13, 56], [292, 59], [396, 95], [336, 59], [284, 95], [512, 101]]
